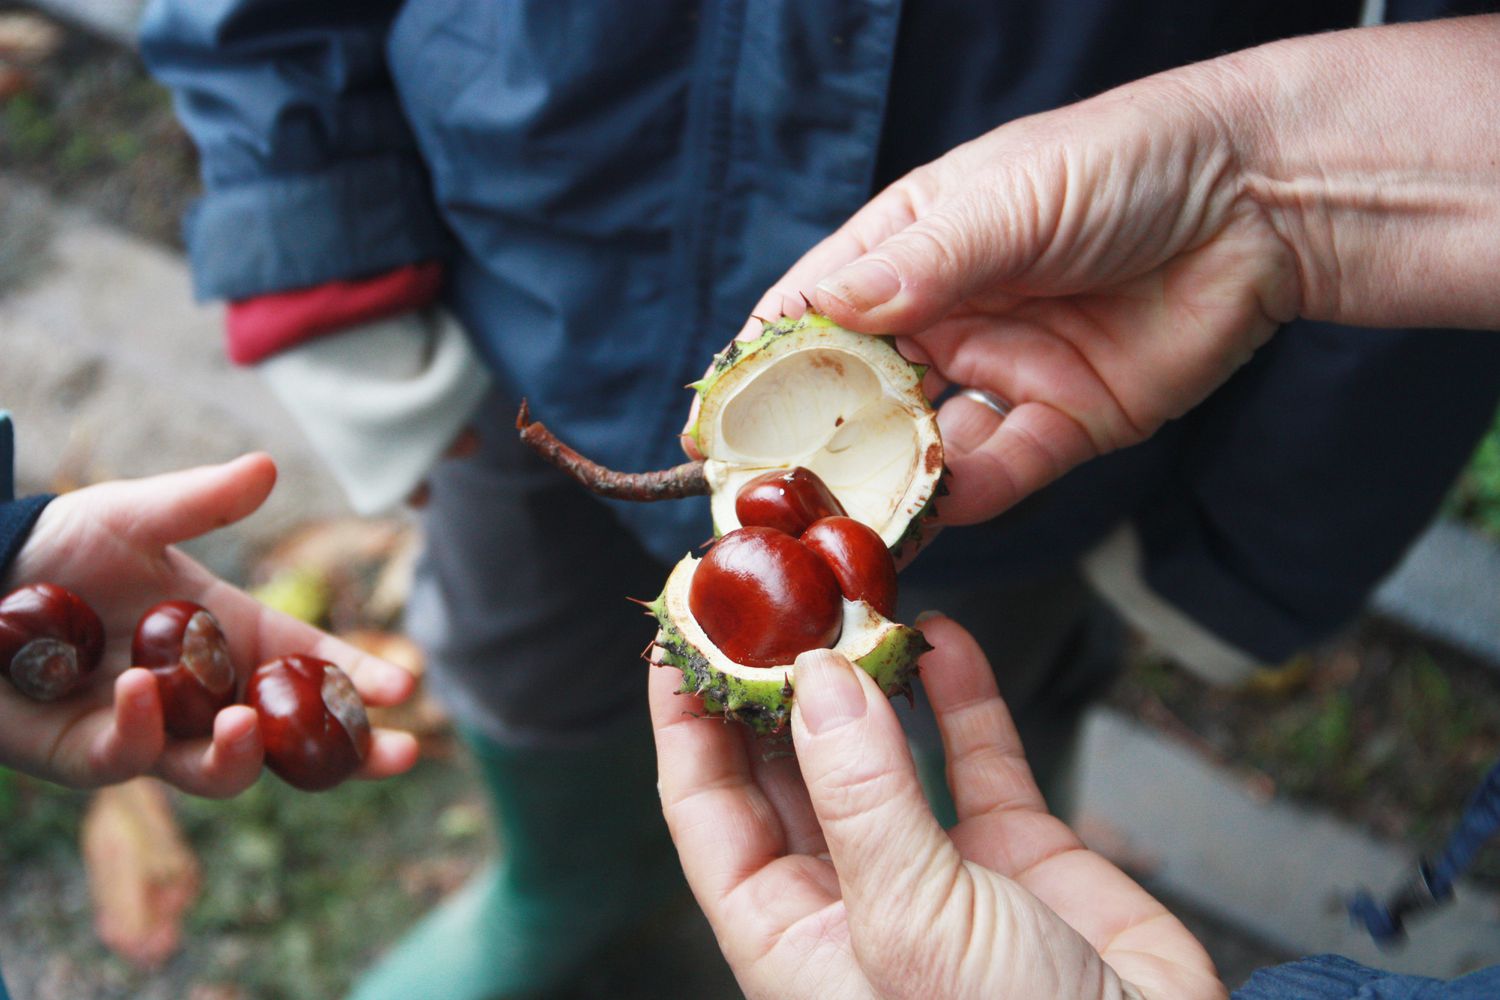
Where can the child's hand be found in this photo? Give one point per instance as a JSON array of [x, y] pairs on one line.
[[112, 544]]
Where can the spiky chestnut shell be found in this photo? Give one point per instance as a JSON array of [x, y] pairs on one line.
[[805, 393], [845, 405], [761, 697]]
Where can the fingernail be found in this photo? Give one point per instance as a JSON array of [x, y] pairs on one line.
[[863, 285], [828, 693], [143, 700], [927, 616]]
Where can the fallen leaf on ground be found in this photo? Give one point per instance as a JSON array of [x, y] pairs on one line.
[[142, 874], [28, 38]]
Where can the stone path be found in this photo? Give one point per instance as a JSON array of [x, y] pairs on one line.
[[1275, 873], [112, 371], [1448, 587]]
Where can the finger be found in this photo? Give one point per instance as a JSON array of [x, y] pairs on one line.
[[257, 633], [778, 776], [177, 506], [987, 769], [392, 752], [887, 213], [920, 273], [934, 384], [723, 824], [379, 682], [219, 767], [133, 739], [996, 462], [885, 843]]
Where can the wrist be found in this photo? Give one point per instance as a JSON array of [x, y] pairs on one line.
[[1371, 154]]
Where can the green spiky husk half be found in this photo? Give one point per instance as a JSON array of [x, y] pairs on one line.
[[761, 698]]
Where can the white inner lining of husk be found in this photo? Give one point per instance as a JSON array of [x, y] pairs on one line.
[[846, 408]]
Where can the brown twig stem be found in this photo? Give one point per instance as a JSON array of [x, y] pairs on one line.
[[685, 480]]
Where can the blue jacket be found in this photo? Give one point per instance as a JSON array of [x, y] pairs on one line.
[[614, 184], [1329, 977], [16, 516]]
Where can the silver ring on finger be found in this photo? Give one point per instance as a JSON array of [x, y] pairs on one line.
[[992, 401]]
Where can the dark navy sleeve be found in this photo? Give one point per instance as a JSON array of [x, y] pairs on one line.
[[1331, 977], [16, 516], [310, 172]]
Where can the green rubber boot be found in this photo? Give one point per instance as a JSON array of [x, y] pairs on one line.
[[584, 856]]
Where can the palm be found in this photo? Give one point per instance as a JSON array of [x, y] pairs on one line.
[[113, 544]]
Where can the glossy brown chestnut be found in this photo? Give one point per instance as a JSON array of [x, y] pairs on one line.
[[50, 640], [185, 648], [785, 499], [763, 597], [858, 557], [312, 721]]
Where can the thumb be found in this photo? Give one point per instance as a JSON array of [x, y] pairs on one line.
[[915, 277], [894, 861], [177, 506]]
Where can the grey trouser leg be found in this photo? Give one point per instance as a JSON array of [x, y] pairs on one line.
[[1054, 647], [520, 598]]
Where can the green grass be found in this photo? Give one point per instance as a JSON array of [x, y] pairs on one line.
[[1476, 498], [298, 891]]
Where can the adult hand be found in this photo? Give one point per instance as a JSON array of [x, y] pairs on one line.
[[113, 545], [1104, 267], [826, 876]]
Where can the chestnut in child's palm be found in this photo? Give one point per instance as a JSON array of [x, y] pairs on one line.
[[184, 647], [312, 721], [50, 640]]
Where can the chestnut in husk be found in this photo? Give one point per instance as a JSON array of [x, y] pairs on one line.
[[763, 597], [788, 500]]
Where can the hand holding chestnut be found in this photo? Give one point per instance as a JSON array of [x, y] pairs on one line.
[[113, 544]]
